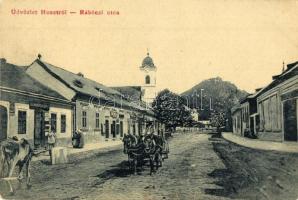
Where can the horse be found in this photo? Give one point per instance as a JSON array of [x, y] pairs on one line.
[[162, 142], [134, 149], [129, 141], [153, 151], [15, 153]]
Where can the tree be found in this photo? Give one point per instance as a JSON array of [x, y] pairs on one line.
[[218, 120], [170, 109]]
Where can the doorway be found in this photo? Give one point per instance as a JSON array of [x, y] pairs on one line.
[[3, 123], [290, 120], [107, 128], [121, 128], [113, 129], [39, 129]]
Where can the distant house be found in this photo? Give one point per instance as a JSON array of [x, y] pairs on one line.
[[29, 109], [102, 113], [237, 120], [248, 115], [271, 113]]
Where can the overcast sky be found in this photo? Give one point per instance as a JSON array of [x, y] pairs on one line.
[[244, 42]]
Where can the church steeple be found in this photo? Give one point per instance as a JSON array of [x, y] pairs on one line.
[[148, 62], [148, 78]]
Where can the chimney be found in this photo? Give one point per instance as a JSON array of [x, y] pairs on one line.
[[2, 60], [80, 74], [39, 56], [258, 89], [283, 67]]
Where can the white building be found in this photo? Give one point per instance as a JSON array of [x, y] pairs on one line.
[[148, 84]]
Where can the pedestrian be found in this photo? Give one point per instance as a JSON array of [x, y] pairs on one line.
[[51, 141]]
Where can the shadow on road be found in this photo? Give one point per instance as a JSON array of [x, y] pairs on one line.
[[120, 170], [219, 174]]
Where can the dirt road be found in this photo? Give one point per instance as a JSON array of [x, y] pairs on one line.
[[185, 175], [256, 174]]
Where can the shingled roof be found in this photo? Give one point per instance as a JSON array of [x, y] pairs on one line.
[[291, 71], [85, 86], [78, 82], [15, 77], [133, 93]]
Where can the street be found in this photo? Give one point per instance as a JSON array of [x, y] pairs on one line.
[[184, 175]]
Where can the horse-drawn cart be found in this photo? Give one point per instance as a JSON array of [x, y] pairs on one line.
[[141, 150]]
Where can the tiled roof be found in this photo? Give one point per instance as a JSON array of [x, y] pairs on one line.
[[291, 71], [78, 83], [89, 87], [133, 93], [15, 77]]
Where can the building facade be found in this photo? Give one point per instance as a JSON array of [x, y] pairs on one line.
[[277, 106], [29, 109], [271, 113], [100, 112], [237, 120]]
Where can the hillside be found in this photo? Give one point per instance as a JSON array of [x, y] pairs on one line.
[[223, 94]]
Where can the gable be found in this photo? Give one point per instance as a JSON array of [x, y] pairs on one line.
[[39, 73]]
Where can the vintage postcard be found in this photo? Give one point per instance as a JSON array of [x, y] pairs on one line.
[[152, 100]]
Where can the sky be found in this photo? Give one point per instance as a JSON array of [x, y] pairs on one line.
[[244, 42]]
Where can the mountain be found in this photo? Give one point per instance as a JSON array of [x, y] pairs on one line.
[[217, 94]]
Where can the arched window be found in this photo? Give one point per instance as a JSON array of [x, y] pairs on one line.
[[147, 79]]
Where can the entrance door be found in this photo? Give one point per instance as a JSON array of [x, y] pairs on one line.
[[134, 128], [107, 128], [113, 127], [290, 120], [121, 128], [39, 133], [3, 122]]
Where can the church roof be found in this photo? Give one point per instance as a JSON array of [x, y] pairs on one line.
[[148, 62]]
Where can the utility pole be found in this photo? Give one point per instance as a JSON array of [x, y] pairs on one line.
[[202, 99]]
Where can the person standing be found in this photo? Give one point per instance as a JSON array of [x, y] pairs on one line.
[[51, 141]]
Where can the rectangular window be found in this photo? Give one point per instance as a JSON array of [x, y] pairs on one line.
[[84, 119], [97, 120], [54, 122], [63, 123], [22, 119]]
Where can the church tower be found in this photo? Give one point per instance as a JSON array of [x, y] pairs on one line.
[[148, 70]]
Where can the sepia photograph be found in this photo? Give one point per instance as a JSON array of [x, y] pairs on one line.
[[148, 100]]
